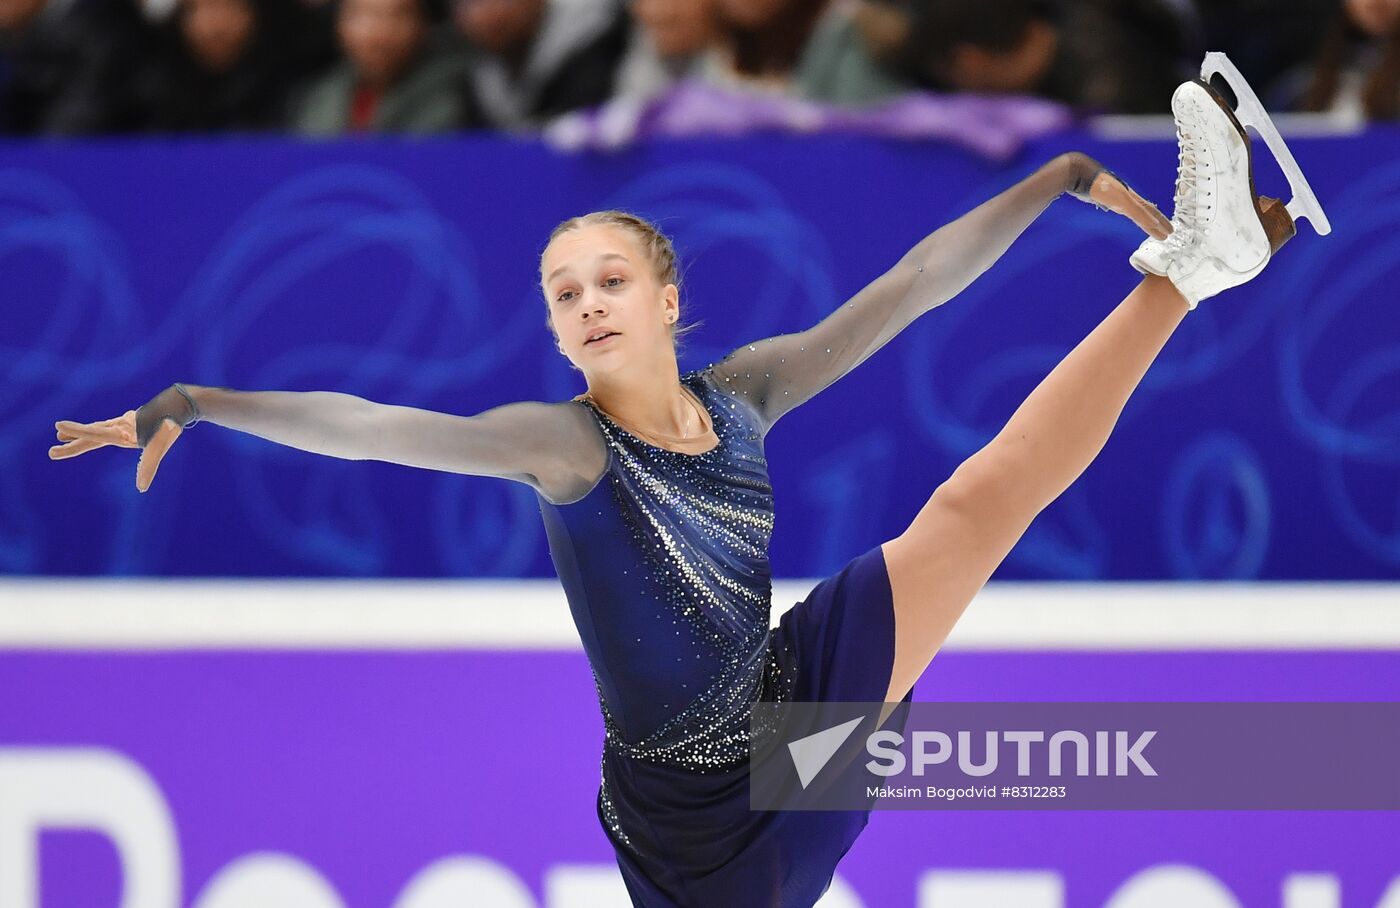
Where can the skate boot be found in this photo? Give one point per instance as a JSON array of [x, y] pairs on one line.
[[1222, 233]]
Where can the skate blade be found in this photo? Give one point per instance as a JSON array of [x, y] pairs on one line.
[[1250, 112]]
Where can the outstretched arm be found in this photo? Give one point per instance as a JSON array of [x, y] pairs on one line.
[[778, 373], [554, 448]]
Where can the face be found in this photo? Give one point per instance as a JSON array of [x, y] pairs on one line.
[[598, 277], [499, 26], [217, 31], [1017, 70], [746, 14], [678, 28], [381, 36], [14, 13], [1376, 18]]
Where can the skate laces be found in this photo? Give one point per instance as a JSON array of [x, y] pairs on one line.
[[1183, 205]]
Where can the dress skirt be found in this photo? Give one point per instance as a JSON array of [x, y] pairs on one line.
[[698, 843]]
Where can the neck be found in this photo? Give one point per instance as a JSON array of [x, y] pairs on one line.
[[649, 400]]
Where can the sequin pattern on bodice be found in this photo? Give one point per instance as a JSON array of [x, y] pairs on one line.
[[665, 563]]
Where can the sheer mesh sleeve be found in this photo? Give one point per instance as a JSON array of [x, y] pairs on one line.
[[555, 448], [778, 373]]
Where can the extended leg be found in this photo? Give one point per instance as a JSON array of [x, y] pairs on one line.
[[1222, 235], [975, 517]]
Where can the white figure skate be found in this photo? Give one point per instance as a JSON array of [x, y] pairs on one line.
[[1250, 112], [1223, 234]]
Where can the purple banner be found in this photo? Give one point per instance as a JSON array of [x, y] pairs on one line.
[[418, 780]]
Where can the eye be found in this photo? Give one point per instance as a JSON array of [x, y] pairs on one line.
[[609, 281], [564, 297]]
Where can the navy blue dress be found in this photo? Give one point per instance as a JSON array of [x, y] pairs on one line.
[[665, 565]]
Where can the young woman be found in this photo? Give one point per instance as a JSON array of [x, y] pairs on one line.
[[655, 495]]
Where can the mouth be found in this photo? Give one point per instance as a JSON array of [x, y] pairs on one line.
[[602, 339]]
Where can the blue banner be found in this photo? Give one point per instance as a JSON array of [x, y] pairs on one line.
[[1262, 444]]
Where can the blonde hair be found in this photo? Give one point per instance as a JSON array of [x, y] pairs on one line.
[[655, 244]]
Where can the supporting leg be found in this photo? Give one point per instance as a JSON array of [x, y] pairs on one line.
[[976, 516]]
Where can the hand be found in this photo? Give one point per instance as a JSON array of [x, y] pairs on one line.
[[1113, 194], [153, 429], [1091, 181]]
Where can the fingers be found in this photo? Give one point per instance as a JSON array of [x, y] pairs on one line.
[[79, 439], [93, 432], [73, 448], [155, 449], [1113, 194], [120, 431], [1152, 221], [68, 424]]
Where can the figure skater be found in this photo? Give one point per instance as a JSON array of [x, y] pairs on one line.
[[655, 494]]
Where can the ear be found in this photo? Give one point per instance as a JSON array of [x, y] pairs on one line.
[[671, 303]]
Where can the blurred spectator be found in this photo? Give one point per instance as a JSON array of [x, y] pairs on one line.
[[1356, 71], [222, 65], [1266, 39], [812, 49], [397, 76], [666, 43], [317, 47], [63, 65], [535, 59], [100, 66], [157, 10], [1101, 56]]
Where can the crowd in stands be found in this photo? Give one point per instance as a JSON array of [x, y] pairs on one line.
[[331, 67]]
